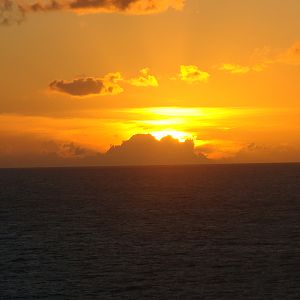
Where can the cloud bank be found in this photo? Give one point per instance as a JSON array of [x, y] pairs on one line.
[[260, 153], [144, 149], [140, 149], [14, 10]]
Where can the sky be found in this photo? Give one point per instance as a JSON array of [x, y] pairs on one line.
[[117, 82]]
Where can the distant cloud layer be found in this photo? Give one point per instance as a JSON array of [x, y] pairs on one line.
[[13, 10], [140, 149]]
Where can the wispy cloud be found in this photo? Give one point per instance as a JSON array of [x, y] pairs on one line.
[[240, 69], [290, 56], [264, 58]]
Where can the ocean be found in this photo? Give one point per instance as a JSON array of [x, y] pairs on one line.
[[161, 232]]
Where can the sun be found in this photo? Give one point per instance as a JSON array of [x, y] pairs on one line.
[[181, 136]]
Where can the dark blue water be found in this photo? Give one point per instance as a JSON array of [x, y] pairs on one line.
[[198, 232]]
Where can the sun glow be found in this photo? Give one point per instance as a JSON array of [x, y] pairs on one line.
[[178, 135]]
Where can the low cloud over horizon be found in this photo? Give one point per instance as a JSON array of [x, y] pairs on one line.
[[140, 149]]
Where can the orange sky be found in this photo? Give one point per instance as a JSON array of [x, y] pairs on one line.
[[78, 78]]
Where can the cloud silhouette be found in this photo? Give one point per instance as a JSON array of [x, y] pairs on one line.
[[141, 149], [262, 153], [89, 86], [28, 150], [125, 6], [144, 149], [13, 11]]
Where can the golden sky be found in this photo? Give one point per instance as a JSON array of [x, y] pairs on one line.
[[78, 77]]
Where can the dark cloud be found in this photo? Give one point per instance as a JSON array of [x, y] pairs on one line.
[[260, 153], [89, 86], [78, 87], [142, 149], [9, 9], [116, 5], [146, 150], [138, 150], [125, 6], [73, 150], [26, 150]]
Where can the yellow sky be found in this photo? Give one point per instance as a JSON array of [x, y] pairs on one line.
[[224, 73]]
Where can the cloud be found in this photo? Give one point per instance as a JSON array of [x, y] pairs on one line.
[[10, 13], [29, 150], [140, 149], [13, 11], [192, 74], [144, 149], [72, 150], [125, 6], [89, 86], [291, 56], [239, 69], [144, 80], [264, 58], [108, 85], [265, 153]]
